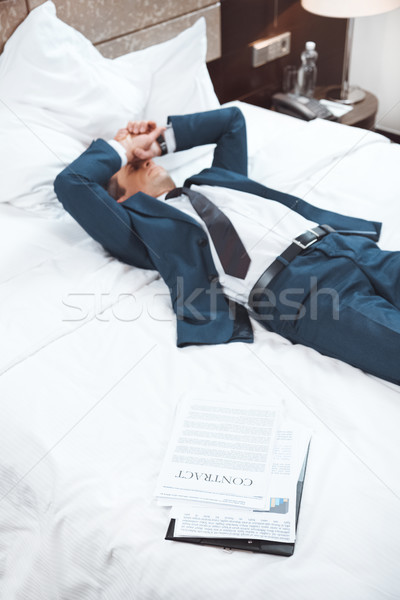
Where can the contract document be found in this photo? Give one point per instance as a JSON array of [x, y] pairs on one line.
[[278, 523], [221, 453]]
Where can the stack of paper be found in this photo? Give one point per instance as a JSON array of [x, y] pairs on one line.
[[231, 471]]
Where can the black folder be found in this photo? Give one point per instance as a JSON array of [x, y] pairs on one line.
[[261, 546]]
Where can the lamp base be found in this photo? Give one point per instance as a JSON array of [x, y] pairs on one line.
[[354, 95]]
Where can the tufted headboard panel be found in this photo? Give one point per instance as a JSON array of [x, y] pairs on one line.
[[116, 27]]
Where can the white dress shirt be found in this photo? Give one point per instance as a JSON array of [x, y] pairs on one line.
[[266, 228]]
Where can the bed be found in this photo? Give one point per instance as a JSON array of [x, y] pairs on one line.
[[91, 376]]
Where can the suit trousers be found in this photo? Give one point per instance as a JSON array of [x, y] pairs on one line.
[[341, 297]]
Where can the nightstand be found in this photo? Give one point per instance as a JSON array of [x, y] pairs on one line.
[[363, 114]]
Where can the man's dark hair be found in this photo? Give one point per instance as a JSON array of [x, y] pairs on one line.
[[115, 190]]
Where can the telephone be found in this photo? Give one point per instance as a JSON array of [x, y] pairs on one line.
[[301, 107]]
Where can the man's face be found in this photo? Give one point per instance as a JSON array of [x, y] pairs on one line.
[[147, 177]]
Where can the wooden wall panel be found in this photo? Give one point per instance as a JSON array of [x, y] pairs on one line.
[[243, 22]]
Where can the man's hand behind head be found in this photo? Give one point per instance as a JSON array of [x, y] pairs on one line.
[[140, 146]]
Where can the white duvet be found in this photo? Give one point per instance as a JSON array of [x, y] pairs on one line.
[[91, 377]]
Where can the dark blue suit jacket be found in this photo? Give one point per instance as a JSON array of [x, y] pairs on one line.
[[152, 234]]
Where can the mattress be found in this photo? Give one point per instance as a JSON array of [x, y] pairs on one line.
[[91, 378]]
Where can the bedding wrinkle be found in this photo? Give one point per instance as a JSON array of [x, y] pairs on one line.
[[51, 258], [336, 160], [80, 277]]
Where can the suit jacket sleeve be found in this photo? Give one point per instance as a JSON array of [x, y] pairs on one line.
[[224, 127], [81, 190]]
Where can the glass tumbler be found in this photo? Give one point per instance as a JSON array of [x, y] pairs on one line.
[[290, 82]]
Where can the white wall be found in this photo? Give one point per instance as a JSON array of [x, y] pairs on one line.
[[375, 64]]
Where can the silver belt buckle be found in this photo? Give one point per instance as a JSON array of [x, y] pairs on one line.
[[308, 244]]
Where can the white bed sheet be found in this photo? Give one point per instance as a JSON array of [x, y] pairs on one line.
[[91, 377]]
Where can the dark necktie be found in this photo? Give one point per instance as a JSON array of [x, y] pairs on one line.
[[228, 245]]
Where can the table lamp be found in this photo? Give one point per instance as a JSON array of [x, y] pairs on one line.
[[348, 9]]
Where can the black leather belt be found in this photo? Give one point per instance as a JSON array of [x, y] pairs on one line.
[[299, 244]]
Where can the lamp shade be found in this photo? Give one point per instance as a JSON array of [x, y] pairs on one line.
[[347, 9]]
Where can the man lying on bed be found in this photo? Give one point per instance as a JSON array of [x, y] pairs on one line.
[[330, 288]]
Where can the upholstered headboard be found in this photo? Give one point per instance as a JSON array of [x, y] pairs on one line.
[[116, 27]]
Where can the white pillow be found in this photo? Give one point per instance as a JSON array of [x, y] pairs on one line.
[[48, 64], [57, 93], [180, 84], [180, 80]]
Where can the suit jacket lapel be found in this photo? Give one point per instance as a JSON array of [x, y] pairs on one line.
[[152, 207]]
